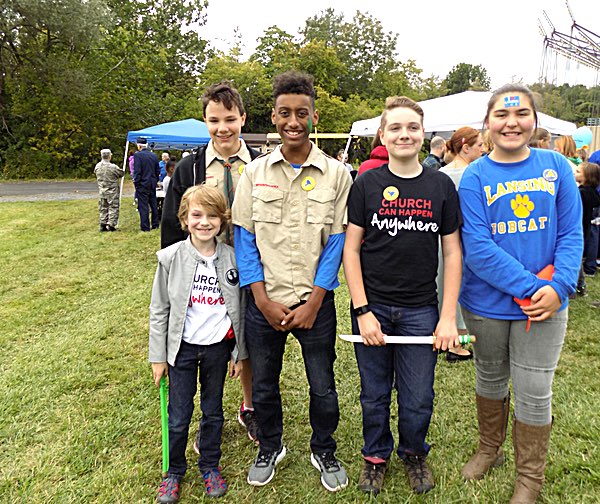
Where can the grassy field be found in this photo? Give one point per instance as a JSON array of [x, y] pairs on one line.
[[80, 417]]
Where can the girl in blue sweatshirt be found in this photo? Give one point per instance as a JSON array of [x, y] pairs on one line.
[[522, 212]]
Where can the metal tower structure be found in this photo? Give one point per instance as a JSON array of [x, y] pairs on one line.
[[582, 45]]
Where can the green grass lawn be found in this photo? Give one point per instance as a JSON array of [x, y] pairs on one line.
[[80, 416]]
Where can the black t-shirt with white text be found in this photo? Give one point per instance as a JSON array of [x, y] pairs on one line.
[[403, 219]]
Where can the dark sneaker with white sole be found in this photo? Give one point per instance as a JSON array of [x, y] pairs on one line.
[[247, 418], [263, 468], [333, 475]]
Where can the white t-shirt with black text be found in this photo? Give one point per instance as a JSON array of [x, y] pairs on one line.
[[206, 320]]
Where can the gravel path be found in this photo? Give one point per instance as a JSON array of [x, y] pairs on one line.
[[49, 190]]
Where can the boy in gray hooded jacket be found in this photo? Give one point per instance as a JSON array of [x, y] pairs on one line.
[[196, 326]]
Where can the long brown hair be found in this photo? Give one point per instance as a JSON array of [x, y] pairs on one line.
[[462, 136]]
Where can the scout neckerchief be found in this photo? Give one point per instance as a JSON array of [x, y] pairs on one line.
[[228, 190]]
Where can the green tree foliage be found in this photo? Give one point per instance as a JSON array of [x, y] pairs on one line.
[[276, 51], [571, 103], [362, 46], [77, 75], [251, 80], [465, 77]]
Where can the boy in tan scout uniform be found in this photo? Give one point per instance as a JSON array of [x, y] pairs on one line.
[[288, 218], [218, 164]]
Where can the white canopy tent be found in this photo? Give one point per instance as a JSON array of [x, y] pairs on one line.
[[445, 115]]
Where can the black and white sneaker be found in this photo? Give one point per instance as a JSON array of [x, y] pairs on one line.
[[333, 475], [263, 468]]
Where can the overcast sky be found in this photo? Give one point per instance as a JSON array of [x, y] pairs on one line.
[[502, 36]]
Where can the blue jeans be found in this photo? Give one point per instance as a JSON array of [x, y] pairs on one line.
[[413, 367], [183, 378], [266, 347]]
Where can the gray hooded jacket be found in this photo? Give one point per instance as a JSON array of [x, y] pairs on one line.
[[171, 293]]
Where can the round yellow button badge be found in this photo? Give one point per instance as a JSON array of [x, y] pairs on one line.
[[308, 183], [391, 193], [241, 168]]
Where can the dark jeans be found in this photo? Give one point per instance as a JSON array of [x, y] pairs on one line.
[[147, 200], [183, 378], [266, 347], [590, 251], [413, 367]]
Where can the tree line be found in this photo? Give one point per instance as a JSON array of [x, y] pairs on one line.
[[76, 76]]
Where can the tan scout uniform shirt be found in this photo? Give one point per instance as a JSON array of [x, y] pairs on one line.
[[214, 169], [292, 215], [215, 174]]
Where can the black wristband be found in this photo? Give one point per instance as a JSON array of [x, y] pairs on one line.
[[361, 310]]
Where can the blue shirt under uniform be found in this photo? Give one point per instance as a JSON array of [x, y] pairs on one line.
[[251, 269], [518, 218]]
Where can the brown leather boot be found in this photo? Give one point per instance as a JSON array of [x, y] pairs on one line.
[[531, 448], [492, 415]]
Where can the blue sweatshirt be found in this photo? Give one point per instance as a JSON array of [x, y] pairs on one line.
[[518, 218]]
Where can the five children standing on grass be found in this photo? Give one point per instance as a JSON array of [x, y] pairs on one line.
[[289, 217]]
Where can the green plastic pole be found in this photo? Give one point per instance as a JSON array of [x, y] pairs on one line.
[[164, 418]]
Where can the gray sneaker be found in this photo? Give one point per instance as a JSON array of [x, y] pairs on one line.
[[333, 475], [263, 469]]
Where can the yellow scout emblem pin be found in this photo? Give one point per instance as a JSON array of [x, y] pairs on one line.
[[308, 184], [241, 168], [391, 193]]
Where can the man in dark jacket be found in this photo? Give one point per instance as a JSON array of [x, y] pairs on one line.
[[145, 177], [436, 153]]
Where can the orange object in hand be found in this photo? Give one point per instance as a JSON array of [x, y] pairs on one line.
[[544, 274]]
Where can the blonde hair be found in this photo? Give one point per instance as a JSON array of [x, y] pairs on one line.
[[566, 146], [488, 145], [210, 198]]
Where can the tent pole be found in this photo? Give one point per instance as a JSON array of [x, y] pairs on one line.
[[347, 146], [123, 177]]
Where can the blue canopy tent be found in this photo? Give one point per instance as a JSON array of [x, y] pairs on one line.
[[181, 135], [174, 135]]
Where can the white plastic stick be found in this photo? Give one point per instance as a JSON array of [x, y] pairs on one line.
[[404, 340]]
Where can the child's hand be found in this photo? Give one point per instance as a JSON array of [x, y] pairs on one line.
[[274, 313], [370, 330], [446, 335], [159, 369], [544, 303], [235, 368], [302, 317]]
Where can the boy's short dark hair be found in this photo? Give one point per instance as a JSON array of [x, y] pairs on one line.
[[294, 82], [171, 164], [224, 93]]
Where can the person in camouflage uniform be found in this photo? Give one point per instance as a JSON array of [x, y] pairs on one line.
[[108, 175]]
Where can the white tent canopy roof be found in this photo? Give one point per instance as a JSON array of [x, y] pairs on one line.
[[446, 114]]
